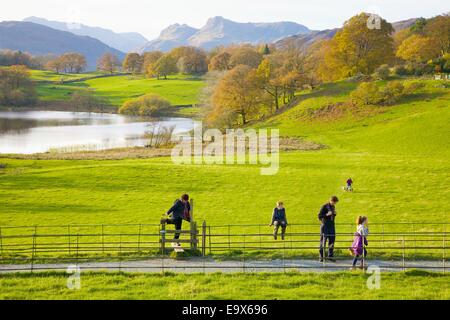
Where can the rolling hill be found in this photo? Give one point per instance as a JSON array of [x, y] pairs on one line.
[[37, 39]]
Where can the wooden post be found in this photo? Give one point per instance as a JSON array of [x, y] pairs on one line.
[[139, 238], [163, 238], [204, 238], [193, 226], [194, 233], [1, 242], [103, 239]]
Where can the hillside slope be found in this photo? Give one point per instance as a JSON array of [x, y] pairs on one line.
[[37, 39], [124, 42], [416, 125]]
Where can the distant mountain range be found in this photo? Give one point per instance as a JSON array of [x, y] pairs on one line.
[[43, 37], [219, 31], [37, 39], [124, 42]]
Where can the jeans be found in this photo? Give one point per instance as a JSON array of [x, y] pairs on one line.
[[277, 225], [177, 222], [355, 259], [324, 237]]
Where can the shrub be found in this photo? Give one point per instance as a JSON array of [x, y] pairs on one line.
[[413, 87], [85, 100], [147, 105], [366, 94], [400, 71], [391, 92], [130, 107], [382, 72]]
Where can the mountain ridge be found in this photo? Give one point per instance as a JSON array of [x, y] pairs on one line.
[[38, 39], [125, 41], [219, 31]]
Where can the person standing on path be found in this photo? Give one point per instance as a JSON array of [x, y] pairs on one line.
[[327, 216], [279, 219], [180, 210], [358, 248]]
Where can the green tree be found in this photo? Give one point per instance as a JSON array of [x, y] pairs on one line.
[[165, 66]]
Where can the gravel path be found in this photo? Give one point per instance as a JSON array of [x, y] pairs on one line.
[[196, 265]]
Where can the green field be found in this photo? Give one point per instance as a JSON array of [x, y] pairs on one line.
[[265, 286], [397, 155], [178, 89]]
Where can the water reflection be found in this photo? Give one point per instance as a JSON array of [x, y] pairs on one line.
[[42, 131]]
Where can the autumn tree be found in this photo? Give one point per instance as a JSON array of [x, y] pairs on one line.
[[438, 28], [220, 62], [73, 62], [16, 86], [193, 61], [132, 63], [418, 48], [149, 60], [238, 96], [246, 55], [108, 63], [165, 66], [269, 74], [359, 47]]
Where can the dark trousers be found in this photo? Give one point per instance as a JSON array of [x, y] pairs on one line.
[[177, 222], [277, 225], [355, 259], [324, 237]]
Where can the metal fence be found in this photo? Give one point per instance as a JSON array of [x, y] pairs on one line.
[[34, 245]]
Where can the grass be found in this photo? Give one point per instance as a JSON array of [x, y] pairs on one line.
[[398, 158], [264, 286], [179, 89]]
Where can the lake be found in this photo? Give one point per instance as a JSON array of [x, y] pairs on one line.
[[28, 132]]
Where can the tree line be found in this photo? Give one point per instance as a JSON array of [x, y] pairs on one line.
[[249, 83]]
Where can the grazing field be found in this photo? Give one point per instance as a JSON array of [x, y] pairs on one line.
[[285, 286], [179, 89], [398, 157]]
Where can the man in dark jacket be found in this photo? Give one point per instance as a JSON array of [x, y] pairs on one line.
[[180, 210], [327, 215], [279, 219]]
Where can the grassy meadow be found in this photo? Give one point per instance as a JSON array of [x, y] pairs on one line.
[[397, 156], [285, 286], [178, 89]]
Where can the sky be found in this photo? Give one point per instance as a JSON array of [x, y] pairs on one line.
[[149, 17]]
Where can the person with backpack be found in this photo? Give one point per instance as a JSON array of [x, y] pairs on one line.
[[180, 211], [360, 241], [327, 216], [279, 219]]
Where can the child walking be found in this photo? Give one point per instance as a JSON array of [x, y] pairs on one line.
[[358, 249], [279, 219]]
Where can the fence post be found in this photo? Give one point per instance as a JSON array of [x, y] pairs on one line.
[[229, 238], [139, 238], [33, 250], [78, 249], [163, 238], [103, 239], [68, 232], [443, 250], [1, 242], [403, 261], [194, 232], [209, 231], [204, 238]]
